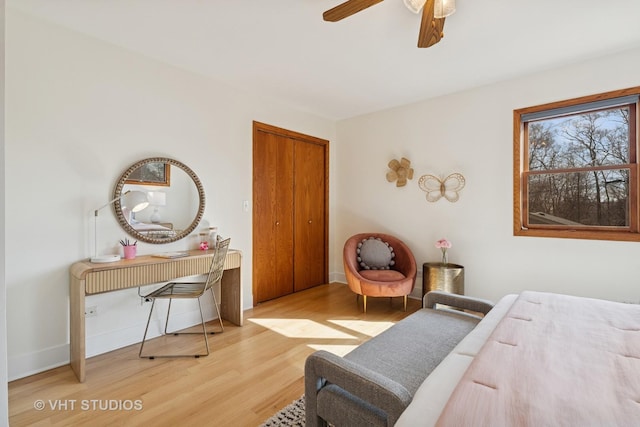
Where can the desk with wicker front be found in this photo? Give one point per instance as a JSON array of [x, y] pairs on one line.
[[87, 278]]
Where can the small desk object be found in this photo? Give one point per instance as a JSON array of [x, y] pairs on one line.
[[87, 278]]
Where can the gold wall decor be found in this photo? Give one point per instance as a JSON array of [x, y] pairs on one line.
[[436, 187], [400, 171]]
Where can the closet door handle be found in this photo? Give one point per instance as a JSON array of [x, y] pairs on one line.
[[277, 222], [309, 221]]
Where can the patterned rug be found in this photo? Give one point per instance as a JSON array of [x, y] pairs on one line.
[[290, 416]]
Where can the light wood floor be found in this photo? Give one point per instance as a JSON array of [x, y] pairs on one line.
[[252, 372]]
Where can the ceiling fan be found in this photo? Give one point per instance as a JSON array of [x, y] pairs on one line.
[[433, 14]]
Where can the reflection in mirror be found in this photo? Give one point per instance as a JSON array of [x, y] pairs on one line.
[[175, 195], [152, 173]]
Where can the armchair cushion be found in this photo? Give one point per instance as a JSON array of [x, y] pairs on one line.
[[382, 275], [375, 254]]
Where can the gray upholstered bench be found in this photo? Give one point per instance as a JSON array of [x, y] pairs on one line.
[[373, 384]]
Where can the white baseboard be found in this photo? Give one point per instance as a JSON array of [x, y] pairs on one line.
[[337, 278], [43, 360], [53, 357]]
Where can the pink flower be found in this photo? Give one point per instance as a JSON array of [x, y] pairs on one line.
[[443, 245]]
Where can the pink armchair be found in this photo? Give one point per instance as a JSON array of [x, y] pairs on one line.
[[396, 280]]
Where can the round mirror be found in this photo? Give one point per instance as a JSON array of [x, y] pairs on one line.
[[159, 200]]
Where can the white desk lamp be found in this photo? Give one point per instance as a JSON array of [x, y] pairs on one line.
[[137, 200]]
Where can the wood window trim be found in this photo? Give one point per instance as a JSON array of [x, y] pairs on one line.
[[519, 157]]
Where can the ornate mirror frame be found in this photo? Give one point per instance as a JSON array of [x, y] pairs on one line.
[[117, 193]]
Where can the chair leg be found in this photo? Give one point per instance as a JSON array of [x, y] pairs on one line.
[[166, 322], [153, 303], [405, 303], [217, 308], [204, 328], [364, 305]]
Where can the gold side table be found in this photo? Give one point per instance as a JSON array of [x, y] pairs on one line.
[[442, 277]]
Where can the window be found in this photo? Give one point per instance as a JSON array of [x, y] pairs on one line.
[[576, 168]]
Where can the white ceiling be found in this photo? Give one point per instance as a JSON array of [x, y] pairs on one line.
[[367, 62]]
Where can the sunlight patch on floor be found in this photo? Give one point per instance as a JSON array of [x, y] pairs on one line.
[[301, 328], [363, 326], [338, 350]]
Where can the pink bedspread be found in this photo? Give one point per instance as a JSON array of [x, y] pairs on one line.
[[554, 360]]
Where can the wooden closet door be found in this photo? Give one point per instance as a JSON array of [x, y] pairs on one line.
[[273, 225], [309, 215], [290, 214]]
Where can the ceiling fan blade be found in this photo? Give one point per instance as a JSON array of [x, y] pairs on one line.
[[431, 29], [348, 8]]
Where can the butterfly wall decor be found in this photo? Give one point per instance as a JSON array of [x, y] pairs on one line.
[[437, 188]]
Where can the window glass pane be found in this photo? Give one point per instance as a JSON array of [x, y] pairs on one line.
[[593, 198], [581, 140]]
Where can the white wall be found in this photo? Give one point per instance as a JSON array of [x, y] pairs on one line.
[[471, 133], [79, 112], [4, 392]]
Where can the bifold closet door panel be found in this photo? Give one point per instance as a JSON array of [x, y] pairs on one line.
[[309, 216], [273, 216]]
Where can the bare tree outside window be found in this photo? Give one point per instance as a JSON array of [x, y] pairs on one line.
[[573, 155], [575, 168]]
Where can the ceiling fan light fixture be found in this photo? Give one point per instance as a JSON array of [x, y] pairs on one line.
[[443, 8], [414, 5]]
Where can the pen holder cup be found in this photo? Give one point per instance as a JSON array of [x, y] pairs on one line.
[[129, 251]]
